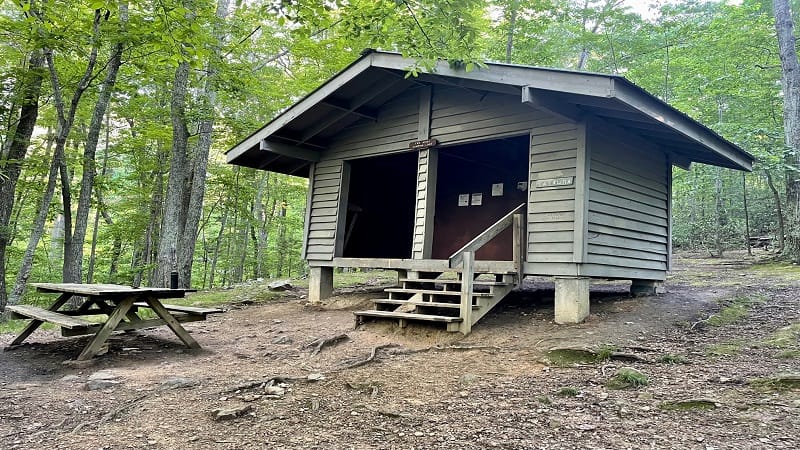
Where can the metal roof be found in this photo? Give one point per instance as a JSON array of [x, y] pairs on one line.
[[295, 138]]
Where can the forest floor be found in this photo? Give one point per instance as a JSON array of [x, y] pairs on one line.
[[719, 353]]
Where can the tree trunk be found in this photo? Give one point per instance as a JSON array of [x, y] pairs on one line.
[[36, 232], [66, 118], [172, 222], [11, 161], [217, 244], [790, 81], [779, 211], [262, 223], [512, 24], [746, 216], [184, 203], [73, 247], [718, 213]]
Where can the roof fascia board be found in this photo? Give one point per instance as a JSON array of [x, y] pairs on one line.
[[289, 150], [302, 106], [576, 83], [682, 124]]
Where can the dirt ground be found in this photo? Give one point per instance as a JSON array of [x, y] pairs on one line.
[[420, 387]]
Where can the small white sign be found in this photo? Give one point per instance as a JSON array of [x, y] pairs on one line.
[[477, 199], [554, 182], [497, 190], [463, 200]]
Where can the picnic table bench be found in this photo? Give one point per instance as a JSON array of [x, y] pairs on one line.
[[120, 304]]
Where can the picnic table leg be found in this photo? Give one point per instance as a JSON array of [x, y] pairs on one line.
[[102, 335], [172, 323], [34, 324]]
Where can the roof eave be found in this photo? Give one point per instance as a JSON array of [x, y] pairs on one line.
[[640, 100]]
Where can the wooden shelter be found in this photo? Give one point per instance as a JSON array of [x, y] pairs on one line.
[[491, 175]]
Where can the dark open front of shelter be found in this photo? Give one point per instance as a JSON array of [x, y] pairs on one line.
[[487, 172], [465, 182], [379, 185]]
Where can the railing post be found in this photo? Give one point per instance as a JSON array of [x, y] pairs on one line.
[[467, 276], [518, 244]]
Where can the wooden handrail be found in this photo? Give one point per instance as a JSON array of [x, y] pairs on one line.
[[485, 236]]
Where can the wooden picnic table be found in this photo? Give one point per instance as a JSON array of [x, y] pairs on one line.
[[120, 304]]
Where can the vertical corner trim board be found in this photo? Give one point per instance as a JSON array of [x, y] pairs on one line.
[[552, 193], [325, 196], [426, 199]]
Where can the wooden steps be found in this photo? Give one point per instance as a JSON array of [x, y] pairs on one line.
[[417, 297], [389, 301], [449, 281], [45, 315], [412, 316], [434, 292]]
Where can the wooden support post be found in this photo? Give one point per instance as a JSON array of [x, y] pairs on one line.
[[320, 284], [172, 323], [111, 324], [518, 245], [467, 277]]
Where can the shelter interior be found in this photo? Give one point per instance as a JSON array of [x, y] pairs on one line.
[[497, 172], [380, 207]]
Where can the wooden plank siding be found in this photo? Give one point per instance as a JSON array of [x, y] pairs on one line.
[[397, 125], [323, 208], [460, 116], [551, 210], [628, 220]]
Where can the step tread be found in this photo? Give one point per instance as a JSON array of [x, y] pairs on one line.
[[474, 283], [388, 301], [435, 291], [412, 316]]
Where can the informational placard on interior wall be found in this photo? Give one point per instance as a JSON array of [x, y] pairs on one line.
[[497, 190], [463, 200], [477, 199]]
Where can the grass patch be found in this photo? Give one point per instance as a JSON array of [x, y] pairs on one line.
[[777, 268], [777, 383], [789, 354], [670, 358], [737, 308], [785, 337], [568, 391], [545, 400], [626, 378], [724, 349]]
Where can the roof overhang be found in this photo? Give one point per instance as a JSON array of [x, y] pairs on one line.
[[295, 138]]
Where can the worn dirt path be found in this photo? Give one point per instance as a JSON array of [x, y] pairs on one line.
[[426, 388]]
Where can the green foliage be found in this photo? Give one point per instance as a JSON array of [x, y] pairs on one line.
[[670, 358], [568, 391], [735, 309], [626, 378]]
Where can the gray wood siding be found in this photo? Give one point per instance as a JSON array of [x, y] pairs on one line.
[[460, 115], [628, 221], [551, 210], [397, 125], [325, 192]]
